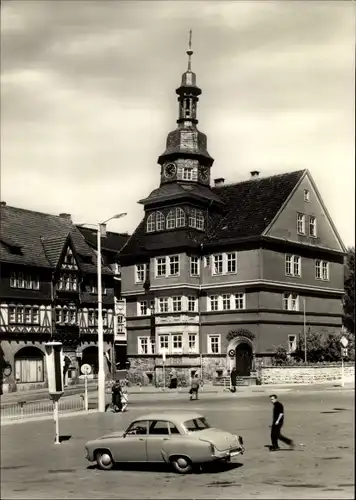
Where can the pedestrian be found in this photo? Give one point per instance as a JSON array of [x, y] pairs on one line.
[[194, 388], [117, 396], [277, 424], [233, 376]]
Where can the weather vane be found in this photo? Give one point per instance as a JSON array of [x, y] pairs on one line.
[[189, 51]]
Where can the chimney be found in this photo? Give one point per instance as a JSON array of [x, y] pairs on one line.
[[254, 174], [66, 216], [3, 203], [219, 182]]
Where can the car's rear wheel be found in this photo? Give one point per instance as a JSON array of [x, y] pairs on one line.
[[104, 460], [181, 464]]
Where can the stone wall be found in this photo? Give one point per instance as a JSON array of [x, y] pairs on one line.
[[149, 370], [310, 374]]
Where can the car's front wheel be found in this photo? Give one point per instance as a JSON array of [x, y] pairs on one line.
[[104, 460], [182, 465]]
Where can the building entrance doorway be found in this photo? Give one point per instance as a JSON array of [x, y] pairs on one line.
[[243, 360]]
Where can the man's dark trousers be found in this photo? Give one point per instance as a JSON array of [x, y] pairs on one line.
[[276, 435]]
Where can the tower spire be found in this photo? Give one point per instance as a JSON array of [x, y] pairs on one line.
[[189, 51]]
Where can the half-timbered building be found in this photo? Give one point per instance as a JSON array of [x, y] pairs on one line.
[[219, 275], [49, 292]]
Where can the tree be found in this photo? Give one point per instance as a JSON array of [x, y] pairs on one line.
[[349, 284]]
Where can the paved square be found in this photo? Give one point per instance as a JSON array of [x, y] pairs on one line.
[[322, 466]]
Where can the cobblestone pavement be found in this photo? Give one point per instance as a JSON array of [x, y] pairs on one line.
[[321, 466]]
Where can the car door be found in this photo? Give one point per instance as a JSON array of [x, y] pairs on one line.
[[158, 434], [132, 447]]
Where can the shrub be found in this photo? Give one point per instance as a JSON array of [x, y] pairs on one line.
[[281, 357]]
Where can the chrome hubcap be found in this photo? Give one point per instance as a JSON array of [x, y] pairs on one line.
[[105, 459], [182, 463]]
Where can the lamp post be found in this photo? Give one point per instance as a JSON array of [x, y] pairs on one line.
[[101, 231], [305, 332]]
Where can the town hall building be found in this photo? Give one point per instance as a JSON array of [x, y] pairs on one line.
[[219, 275]]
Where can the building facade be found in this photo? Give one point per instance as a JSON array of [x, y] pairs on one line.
[[49, 293], [218, 275]]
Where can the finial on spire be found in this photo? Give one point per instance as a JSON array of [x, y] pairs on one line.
[[189, 51]]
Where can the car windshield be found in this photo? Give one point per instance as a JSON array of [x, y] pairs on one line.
[[196, 424]]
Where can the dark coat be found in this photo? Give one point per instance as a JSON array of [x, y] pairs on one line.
[[233, 376]]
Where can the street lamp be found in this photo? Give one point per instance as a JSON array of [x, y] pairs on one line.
[[101, 231]]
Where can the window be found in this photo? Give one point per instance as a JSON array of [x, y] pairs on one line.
[[191, 303], [171, 220], [312, 226], [158, 427], [140, 273], [214, 344], [72, 316], [180, 217], [218, 264], [197, 424], [143, 310], [12, 314], [177, 343], [68, 282], [321, 270], [214, 302], [196, 219], [224, 263], [300, 223], [177, 304], [192, 343], [137, 428], [290, 302], [161, 266], [174, 265], [194, 266], [292, 265], [91, 317], [143, 345], [306, 195], [226, 303], [231, 262], [35, 315], [163, 304], [292, 343], [239, 301], [187, 173], [19, 315], [160, 221], [69, 258], [151, 223], [28, 318], [19, 280], [172, 428], [163, 343]]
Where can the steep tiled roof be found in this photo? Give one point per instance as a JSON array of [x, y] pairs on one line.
[[113, 242], [177, 190], [40, 238], [248, 208]]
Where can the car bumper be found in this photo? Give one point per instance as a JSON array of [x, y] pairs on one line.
[[227, 454]]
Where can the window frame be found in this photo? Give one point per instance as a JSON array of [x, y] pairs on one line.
[[312, 223], [212, 336], [194, 263], [151, 223], [160, 221], [307, 195], [293, 260], [292, 348], [191, 299], [287, 299], [143, 270], [163, 300], [191, 341], [301, 223], [177, 338], [242, 297], [177, 300], [161, 349], [213, 301]]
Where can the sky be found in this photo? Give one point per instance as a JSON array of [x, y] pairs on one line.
[[88, 98]]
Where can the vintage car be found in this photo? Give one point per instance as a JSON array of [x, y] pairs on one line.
[[183, 439]]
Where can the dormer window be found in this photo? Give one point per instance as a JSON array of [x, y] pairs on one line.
[[68, 282], [196, 219], [175, 218], [151, 223], [160, 221]]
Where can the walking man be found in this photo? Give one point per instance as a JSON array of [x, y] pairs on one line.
[[277, 424]]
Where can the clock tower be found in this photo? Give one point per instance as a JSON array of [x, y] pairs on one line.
[[186, 158], [184, 199]]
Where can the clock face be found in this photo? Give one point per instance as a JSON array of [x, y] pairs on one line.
[[204, 173], [170, 170]]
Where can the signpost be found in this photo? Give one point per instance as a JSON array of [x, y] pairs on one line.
[[231, 357], [86, 370], [54, 364], [344, 343]]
